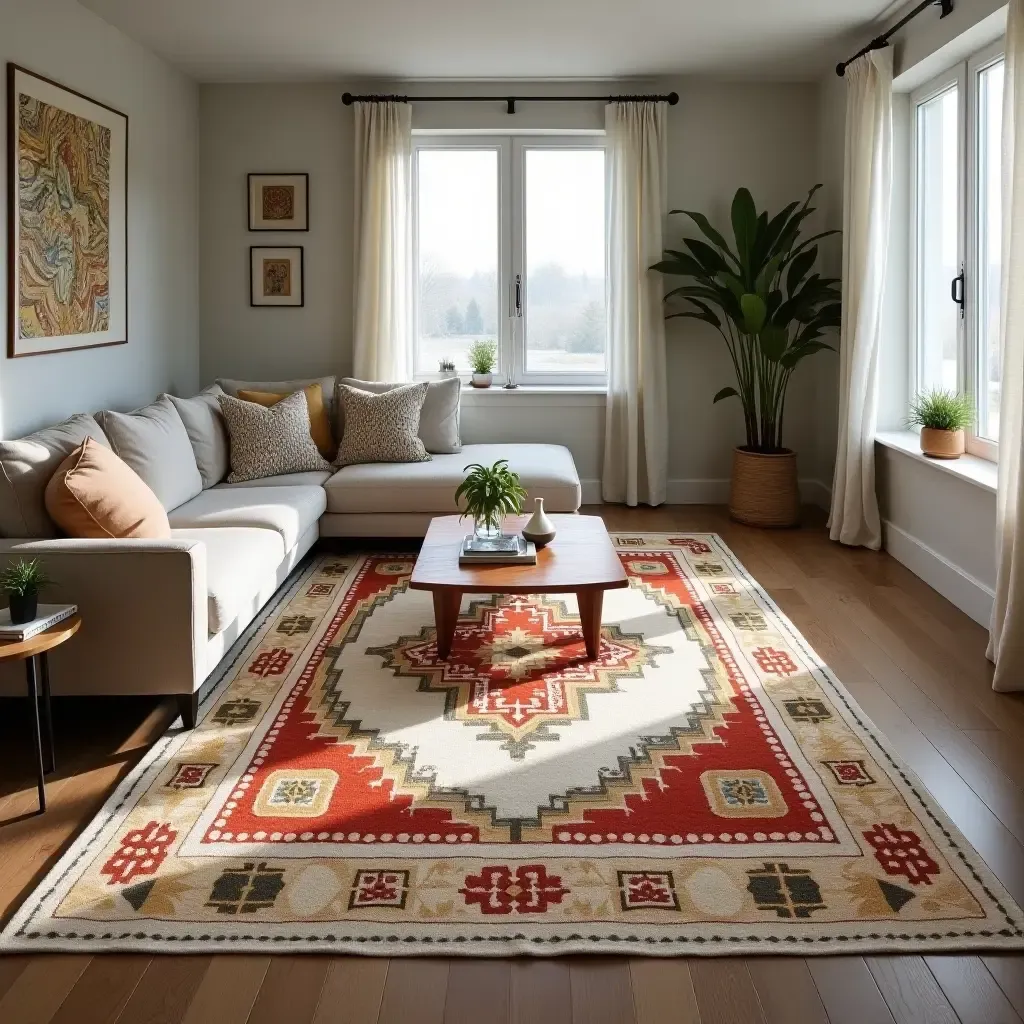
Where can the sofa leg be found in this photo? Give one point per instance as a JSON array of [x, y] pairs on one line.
[[188, 708]]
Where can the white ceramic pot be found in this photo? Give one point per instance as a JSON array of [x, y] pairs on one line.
[[540, 529], [481, 380]]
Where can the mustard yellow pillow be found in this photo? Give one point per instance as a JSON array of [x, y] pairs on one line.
[[319, 421], [95, 494]]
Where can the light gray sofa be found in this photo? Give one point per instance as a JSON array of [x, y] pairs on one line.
[[158, 616]]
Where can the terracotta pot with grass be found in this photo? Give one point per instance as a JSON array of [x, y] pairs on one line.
[[943, 416]]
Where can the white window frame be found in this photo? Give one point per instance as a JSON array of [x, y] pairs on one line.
[[964, 75], [511, 246]]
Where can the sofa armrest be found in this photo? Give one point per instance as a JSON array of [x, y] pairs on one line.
[[144, 612]]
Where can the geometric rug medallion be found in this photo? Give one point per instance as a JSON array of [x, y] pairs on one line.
[[705, 786]]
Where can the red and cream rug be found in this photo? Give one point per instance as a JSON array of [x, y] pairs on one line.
[[705, 786]]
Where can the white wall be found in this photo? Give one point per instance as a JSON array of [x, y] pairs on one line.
[[722, 135], [63, 41]]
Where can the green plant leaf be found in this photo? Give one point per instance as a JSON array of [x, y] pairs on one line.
[[773, 342], [710, 259], [725, 393], [799, 267], [744, 223], [767, 275], [709, 232], [754, 312]]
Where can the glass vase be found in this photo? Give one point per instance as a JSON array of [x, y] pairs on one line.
[[483, 530]]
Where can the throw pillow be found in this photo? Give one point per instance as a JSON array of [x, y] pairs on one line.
[[282, 387], [439, 417], [381, 428], [26, 466], [204, 424], [270, 440], [96, 495], [319, 421], [154, 442]]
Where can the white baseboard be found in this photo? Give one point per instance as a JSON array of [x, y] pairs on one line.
[[970, 595], [712, 492]]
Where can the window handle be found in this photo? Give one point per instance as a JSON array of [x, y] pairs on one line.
[[519, 295], [956, 291]]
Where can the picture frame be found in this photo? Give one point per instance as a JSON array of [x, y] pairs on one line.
[[278, 202], [276, 276], [67, 251]]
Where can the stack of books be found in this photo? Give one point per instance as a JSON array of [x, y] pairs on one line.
[[47, 615], [508, 549]]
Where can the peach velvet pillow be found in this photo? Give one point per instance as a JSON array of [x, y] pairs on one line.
[[319, 420], [95, 494]]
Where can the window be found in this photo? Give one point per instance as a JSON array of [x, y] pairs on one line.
[[956, 239], [509, 238]]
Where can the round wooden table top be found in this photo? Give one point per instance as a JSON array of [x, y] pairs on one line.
[[41, 642]]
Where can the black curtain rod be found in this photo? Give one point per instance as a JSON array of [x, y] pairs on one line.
[[880, 42], [348, 99]]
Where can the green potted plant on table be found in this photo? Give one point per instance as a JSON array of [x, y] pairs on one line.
[[22, 581], [482, 357], [772, 312], [943, 416], [489, 493]]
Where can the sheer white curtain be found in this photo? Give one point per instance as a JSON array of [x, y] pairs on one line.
[[636, 418], [1006, 636], [382, 341], [867, 191]]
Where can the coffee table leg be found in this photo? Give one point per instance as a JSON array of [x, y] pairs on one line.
[[51, 749], [33, 696], [446, 615], [591, 601]]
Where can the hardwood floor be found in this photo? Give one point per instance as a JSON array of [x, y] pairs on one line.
[[915, 664]]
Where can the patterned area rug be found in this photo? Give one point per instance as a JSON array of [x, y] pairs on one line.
[[706, 786]]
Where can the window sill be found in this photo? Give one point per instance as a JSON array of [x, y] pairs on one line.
[[535, 394], [969, 468]]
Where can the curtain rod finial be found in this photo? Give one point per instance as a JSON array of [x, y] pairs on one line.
[[841, 69], [346, 98], [673, 98]]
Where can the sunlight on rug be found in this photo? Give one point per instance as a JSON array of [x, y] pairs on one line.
[[704, 787]]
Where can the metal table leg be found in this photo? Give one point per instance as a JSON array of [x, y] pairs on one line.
[[51, 749], [33, 696]]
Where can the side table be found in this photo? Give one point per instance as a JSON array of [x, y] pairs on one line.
[[33, 652]]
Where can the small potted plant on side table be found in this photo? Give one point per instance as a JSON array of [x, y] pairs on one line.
[[943, 416], [482, 356], [489, 494], [22, 581]]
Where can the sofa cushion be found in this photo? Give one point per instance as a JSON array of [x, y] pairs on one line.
[[154, 442], [547, 471], [282, 387], [439, 417], [207, 432], [26, 466], [319, 420], [95, 495], [381, 428], [238, 563], [289, 511], [312, 478]]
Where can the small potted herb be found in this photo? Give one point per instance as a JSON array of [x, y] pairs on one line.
[[482, 356], [489, 494], [447, 369], [943, 416], [22, 582]]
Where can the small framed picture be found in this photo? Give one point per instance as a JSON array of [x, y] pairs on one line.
[[278, 202], [276, 275]]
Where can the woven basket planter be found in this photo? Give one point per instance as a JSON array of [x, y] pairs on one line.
[[764, 489], [942, 444]]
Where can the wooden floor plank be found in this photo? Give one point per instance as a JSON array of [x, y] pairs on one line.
[[290, 990], [1008, 972], [414, 992], [540, 992], [352, 991], [663, 990], [848, 990], [786, 990], [910, 990], [228, 990], [971, 990], [601, 991], [41, 987], [10, 968], [102, 991], [725, 993], [165, 990], [478, 992]]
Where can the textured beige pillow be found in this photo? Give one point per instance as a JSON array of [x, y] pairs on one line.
[[96, 495], [381, 428], [270, 440], [439, 417]]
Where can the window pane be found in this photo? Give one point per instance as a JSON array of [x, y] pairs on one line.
[[565, 261], [938, 259], [457, 243], [989, 372]]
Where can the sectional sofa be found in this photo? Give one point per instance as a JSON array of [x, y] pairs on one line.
[[158, 616]]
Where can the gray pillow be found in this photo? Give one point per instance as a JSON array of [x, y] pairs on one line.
[[381, 428], [26, 466], [270, 440], [154, 442], [439, 417], [204, 424], [282, 387]]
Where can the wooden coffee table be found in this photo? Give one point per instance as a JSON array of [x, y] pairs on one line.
[[580, 560]]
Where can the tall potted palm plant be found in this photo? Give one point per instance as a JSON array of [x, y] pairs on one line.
[[772, 312]]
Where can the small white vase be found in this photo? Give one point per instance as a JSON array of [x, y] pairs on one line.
[[539, 529]]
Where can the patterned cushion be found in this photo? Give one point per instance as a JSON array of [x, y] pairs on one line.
[[266, 441], [381, 428]]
